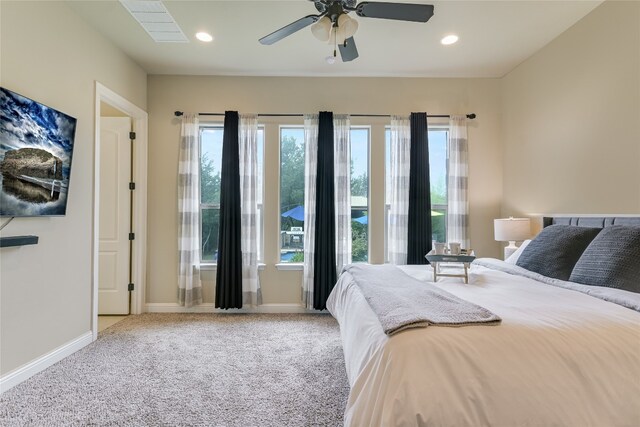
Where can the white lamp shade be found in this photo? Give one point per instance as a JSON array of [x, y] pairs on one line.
[[322, 29], [512, 229]]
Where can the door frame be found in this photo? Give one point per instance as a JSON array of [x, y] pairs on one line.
[[139, 120]]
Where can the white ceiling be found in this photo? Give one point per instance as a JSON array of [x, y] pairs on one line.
[[495, 36]]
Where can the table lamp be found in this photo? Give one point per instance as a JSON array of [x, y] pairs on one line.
[[511, 230]]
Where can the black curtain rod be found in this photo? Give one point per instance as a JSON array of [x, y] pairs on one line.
[[470, 116]]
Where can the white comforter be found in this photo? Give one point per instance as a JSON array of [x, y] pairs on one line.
[[560, 358]]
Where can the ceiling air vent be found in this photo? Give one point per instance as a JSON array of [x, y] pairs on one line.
[[156, 20]]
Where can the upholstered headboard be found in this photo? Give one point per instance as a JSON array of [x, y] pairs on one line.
[[595, 222]]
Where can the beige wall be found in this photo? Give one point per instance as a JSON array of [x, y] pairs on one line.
[[49, 54], [571, 120], [298, 95]]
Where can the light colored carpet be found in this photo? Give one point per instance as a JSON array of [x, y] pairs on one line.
[[193, 370]]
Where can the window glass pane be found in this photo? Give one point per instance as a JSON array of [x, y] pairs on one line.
[[210, 164], [360, 194], [210, 226], [210, 169], [291, 194], [437, 174], [259, 193], [260, 163]]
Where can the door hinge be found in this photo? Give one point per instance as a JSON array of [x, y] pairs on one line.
[[130, 287], [132, 236], [132, 186], [132, 135]]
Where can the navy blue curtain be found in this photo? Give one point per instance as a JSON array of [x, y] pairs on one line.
[[324, 268], [229, 269], [419, 227]]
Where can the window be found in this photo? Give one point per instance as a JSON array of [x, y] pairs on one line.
[[360, 194], [210, 169], [291, 194], [438, 161]]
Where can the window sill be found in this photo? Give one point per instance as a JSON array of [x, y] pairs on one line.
[[213, 267], [293, 266]]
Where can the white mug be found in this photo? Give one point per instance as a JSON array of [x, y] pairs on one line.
[[440, 247], [454, 248]]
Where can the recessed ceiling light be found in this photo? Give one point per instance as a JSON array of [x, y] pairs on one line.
[[204, 37], [450, 39]]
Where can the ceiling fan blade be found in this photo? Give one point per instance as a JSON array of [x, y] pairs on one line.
[[287, 30], [350, 51], [399, 11]]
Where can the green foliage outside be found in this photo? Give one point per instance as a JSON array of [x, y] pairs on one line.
[[298, 257], [359, 232], [360, 239], [359, 185], [210, 194], [439, 197], [291, 175]]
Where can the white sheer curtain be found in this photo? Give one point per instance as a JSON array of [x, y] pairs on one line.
[[457, 199], [248, 146], [399, 192], [342, 184], [189, 285], [310, 166]]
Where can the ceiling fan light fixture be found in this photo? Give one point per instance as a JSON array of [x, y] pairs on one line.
[[348, 24], [346, 27], [321, 29], [333, 25], [449, 39]]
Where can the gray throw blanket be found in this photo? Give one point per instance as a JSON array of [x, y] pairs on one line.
[[402, 302]]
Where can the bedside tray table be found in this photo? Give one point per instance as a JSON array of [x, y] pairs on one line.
[[437, 260]]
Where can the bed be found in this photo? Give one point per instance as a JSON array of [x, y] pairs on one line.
[[565, 353]]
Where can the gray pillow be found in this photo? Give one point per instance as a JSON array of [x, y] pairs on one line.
[[556, 250], [612, 259]]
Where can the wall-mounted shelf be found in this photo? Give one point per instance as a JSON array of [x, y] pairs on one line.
[[6, 242]]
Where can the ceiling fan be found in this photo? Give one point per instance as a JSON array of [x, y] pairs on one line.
[[333, 25]]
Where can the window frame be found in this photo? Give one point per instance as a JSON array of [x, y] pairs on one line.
[[368, 207], [387, 207], [280, 264], [203, 206], [284, 265]]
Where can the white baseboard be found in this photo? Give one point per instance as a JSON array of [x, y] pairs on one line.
[[18, 375], [209, 308], [172, 307]]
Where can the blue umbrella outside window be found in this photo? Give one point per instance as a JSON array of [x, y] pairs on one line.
[[296, 213], [362, 219], [365, 219]]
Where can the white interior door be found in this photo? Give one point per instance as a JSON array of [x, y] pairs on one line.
[[113, 252]]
